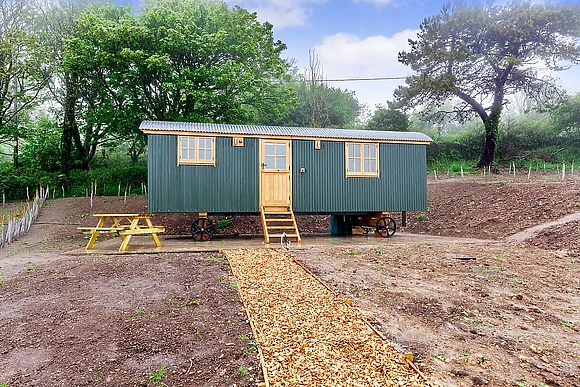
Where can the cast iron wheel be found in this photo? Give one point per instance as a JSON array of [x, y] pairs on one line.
[[202, 229], [386, 227]]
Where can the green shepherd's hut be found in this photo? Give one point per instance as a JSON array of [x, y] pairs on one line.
[[355, 175]]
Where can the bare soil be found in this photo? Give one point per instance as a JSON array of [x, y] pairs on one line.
[[487, 313]]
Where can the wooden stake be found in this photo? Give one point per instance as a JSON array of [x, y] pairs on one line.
[[62, 186], [27, 195], [462, 171], [529, 172], [119, 190], [563, 170], [435, 173]]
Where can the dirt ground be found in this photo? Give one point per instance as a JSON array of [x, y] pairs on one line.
[[494, 313]]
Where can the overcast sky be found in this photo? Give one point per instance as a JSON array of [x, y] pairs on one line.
[[355, 38]]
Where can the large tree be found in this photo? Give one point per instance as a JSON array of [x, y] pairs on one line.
[[476, 55], [23, 68]]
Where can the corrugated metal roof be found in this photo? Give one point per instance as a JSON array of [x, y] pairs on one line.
[[281, 131]]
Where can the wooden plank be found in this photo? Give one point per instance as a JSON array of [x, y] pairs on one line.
[[140, 231]]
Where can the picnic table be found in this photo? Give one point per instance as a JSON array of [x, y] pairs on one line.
[[126, 225]]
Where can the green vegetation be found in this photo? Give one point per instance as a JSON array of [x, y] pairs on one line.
[[242, 371], [158, 375], [223, 223], [489, 59], [106, 68]]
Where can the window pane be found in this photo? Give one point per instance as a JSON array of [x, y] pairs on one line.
[[366, 165], [366, 152], [192, 143], [192, 154], [269, 161], [373, 151], [280, 149], [208, 155], [184, 143], [269, 149], [350, 150], [357, 165], [184, 154], [357, 150], [351, 165], [201, 143], [373, 167], [281, 162]]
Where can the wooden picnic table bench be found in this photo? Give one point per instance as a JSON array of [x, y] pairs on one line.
[[126, 225]]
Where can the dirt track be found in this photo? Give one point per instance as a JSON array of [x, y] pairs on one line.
[[508, 317]]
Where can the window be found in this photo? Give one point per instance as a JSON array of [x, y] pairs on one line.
[[362, 159], [275, 156], [196, 150]]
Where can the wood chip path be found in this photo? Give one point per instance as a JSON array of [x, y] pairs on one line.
[[307, 336]]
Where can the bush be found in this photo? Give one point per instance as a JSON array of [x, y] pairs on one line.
[[107, 180]]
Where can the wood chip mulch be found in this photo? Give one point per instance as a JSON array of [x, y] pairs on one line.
[[308, 336]]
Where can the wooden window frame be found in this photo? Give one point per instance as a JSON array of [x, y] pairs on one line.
[[360, 160], [195, 160]]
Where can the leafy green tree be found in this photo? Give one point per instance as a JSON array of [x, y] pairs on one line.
[[566, 118], [23, 68], [476, 55], [199, 60], [388, 119]]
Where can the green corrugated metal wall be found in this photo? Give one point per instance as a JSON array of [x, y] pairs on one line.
[[323, 187], [230, 186], [233, 184]]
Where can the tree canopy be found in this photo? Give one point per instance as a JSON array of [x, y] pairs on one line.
[[385, 118], [476, 55]]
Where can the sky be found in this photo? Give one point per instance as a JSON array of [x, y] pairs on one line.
[[356, 39]]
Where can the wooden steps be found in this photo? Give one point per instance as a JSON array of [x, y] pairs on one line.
[[276, 221]]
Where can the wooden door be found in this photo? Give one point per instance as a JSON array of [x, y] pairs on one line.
[[275, 177]]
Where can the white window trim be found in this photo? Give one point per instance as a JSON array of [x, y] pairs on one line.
[[362, 173], [195, 161]]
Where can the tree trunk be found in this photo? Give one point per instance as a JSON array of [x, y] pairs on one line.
[[15, 153], [68, 126], [491, 136]]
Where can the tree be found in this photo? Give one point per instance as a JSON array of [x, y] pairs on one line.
[[200, 60], [23, 69], [317, 104], [566, 118], [388, 119], [477, 55]]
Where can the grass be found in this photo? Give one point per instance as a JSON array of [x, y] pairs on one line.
[[192, 303], [1, 283], [233, 286], [421, 216], [221, 224], [156, 376], [243, 337], [242, 371], [569, 324], [215, 259]]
